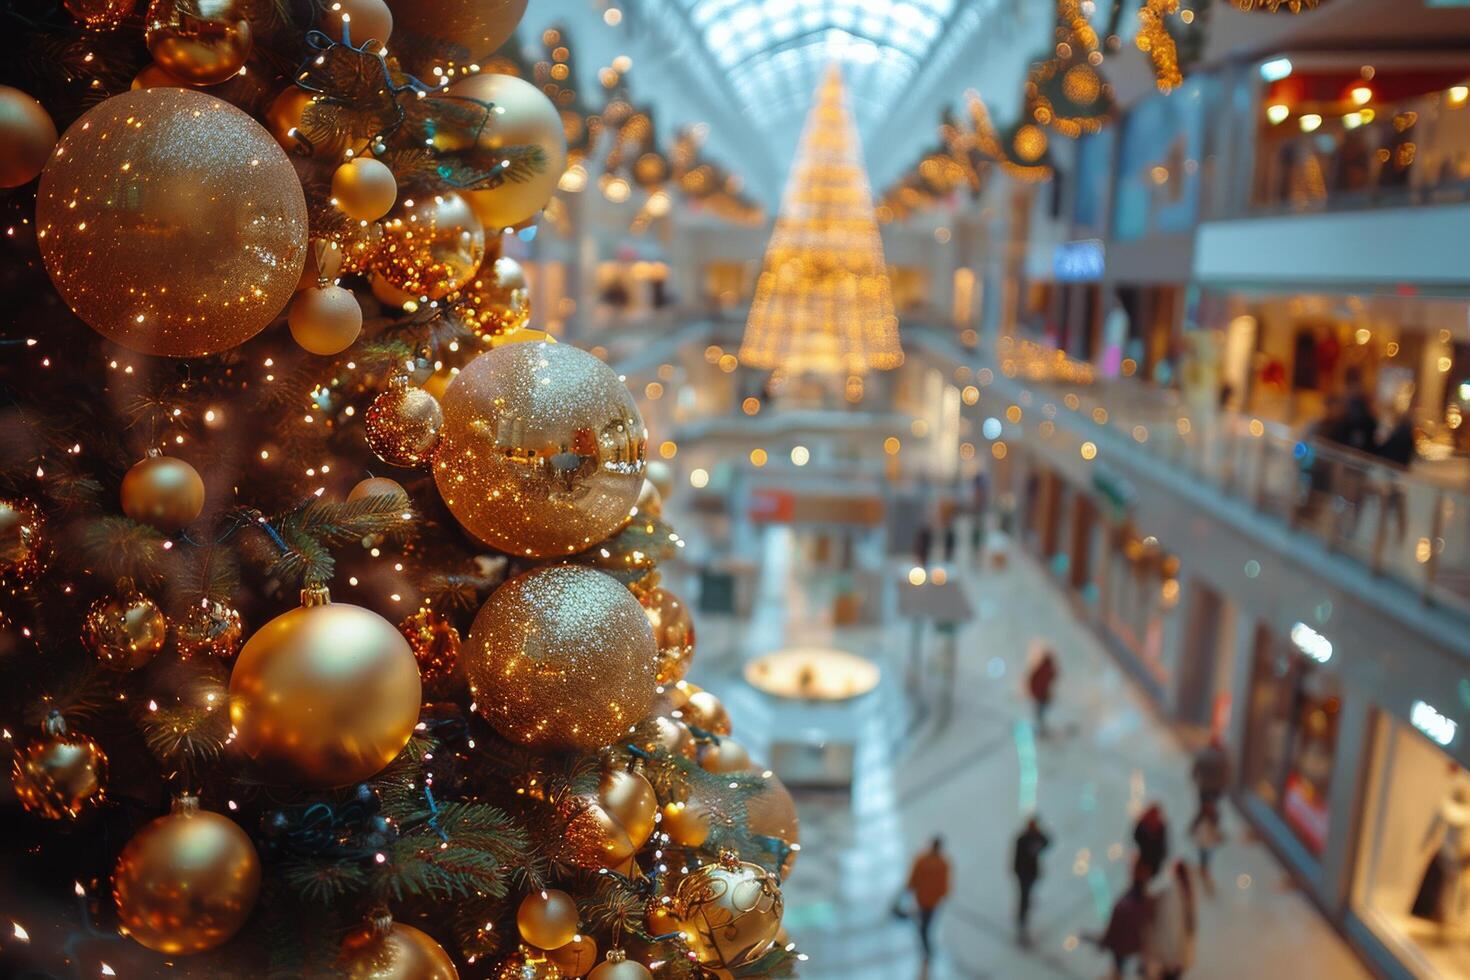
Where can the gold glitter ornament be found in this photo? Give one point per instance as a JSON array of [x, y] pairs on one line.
[[324, 695], [543, 449], [187, 881], [211, 242], [435, 643], [24, 551], [561, 658], [163, 491], [705, 711], [729, 912], [527, 964], [771, 812], [475, 29], [100, 14], [617, 966], [27, 137], [325, 319], [209, 627], [126, 630], [497, 301], [628, 798], [403, 424], [432, 246], [576, 957], [386, 950], [688, 824], [673, 634], [594, 840], [200, 41], [364, 189], [61, 773], [547, 919], [523, 116]]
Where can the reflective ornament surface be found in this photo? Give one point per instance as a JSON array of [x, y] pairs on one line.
[[497, 301], [209, 628], [617, 966], [673, 634], [672, 736], [687, 824], [403, 424], [187, 881], [547, 919], [171, 222], [163, 491], [27, 137], [364, 189], [527, 964], [199, 41], [543, 449], [126, 630], [448, 30], [431, 246], [325, 319], [705, 711], [387, 950], [628, 798], [595, 840], [23, 546], [100, 14], [60, 773], [561, 658], [729, 912]]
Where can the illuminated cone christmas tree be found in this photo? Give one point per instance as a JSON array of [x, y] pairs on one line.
[[823, 301]]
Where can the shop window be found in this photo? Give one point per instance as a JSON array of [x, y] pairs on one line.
[[1295, 707], [1413, 888]]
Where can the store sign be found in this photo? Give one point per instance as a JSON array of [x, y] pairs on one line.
[[1078, 261], [1435, 726], [1313, 645]]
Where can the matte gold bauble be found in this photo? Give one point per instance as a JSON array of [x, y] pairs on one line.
[[465, 32], [376, 486], [594, 840], [388, 950], [100, 14], [61, 773], [126, 630], [209, 628], [200, 41], [163, 491], [547, 919], [23, 546], [435, 642], [171, 223], [496, 301], [27, 137], [561, 658], [187, 881], [360, 21], [673, 737], [771, 812], [364, 189], [673, 634], [628, 797], [543, 449], [403, 424], [324, 695], [431, 246], [729, 912], [726, 756], [661, 475], [523, 116], [617, 966], [576, 957], [325, 319], [706, 712], [527, 964]]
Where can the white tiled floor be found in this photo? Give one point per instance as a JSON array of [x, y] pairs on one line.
[[972, 780]]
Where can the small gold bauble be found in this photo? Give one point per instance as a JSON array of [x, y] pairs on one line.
[[496, 302], [360, 21], [324, 258], [628, 798], [673, 634], [187, 881], [594, 840], [543, 449], [673, 737], [617, 966], [376, 486], [403, 424], [23, 546], [561, 657], [523, 117], [199, 41], [661, 475], [435, 642], [729, 912], [364, 189], [431, 246], [324, 695], [27, 137], [61, 773], [100, 14], [325, 319], [209, 628], [706, 712], [725, 757], [687, 824], [163, 491], [468, 31], [576, 957], [210, 243], [126, 630], [547, 919], [771, 812], [388, 950]]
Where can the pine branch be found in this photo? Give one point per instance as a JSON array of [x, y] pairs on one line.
[[323, 881], [116, 547]]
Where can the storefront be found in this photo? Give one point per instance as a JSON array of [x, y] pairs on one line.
[[1141, 589]]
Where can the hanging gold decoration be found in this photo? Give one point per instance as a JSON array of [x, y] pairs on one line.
[[673, 635], [386, 950], [163, 491], [100, 14], [725, 756], [576, 957], [124, 631], [364, 189], [594, 840], [209, 627], [729, 912], [496, 302], [325, 320], [705, 711], [465, 32], [431, 246], [1153, 39], [435, 643], [527, 964], [61, 773], [547, 919], [403, 424], [628, 798], [672, 736], [24, 549], [617, 966], [201, 42], [27, 137], [688, 824], [376, 486]]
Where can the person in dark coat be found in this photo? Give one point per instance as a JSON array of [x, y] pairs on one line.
[[1151, 834], [1039, 683], [1123, 938], [1397, 448], [1026, 863]]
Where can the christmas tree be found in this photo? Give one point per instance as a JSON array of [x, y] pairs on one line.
[[333, 646], [823, 302]]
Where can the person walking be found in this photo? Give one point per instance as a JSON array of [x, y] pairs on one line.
[[1026, 863], [1206, 834], [1039, 683], [929, 883], [1211, 771], [1169, 937], [1123, 938], [1151, 834]]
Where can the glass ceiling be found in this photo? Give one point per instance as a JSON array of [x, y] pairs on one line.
[[773, 51]]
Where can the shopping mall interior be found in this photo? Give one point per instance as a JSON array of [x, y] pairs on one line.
[[1143, 262]]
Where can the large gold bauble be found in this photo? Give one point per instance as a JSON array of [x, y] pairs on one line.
[[364, 189], [431, 246], [61, 773], [617, 966], [209, 627], [363, 20], [594, 840], [403, 424], [687, 824], [729, 912], [23, 546], [163, 491], [463, 32], [187, 881], [576, 957], [528, 964], [561, 657], [628, 798], [673, 634], [547, 919], [171, 222], [325, 319], [27, 137], [543, 449], [126, 630], [705, 711], [199, 41], [523, 116], [324, 695], [386, 950], [496, 301], [771, 812]]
